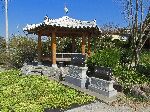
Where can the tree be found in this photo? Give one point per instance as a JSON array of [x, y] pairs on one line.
[[2, 43], [137, 13]]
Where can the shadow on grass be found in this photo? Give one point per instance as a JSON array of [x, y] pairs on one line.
[[134, 97]]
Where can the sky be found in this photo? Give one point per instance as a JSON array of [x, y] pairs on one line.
[[22, 12]]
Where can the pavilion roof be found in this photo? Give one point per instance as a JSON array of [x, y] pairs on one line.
[[64, 22]]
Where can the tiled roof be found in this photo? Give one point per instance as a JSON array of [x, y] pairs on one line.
[[65, 21]]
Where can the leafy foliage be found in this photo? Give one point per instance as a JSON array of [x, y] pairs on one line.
[[106, 58], [22, 49], [65, 44], [118, 60], [125, 57], [2, 42], [35, 93], [104, 42], [128, 78], [145, 58], [144, 66]]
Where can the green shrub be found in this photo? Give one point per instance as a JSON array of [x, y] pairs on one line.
[[129, 77], [2, 43], [106, 58], [144, 67], [22, 49], [104, 42], [35, 93], [145, 58], [46, 48], [3, 56], [65, 45], [126, 57], [117, 43]]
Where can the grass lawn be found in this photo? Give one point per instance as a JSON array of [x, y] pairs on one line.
[[35, 93]]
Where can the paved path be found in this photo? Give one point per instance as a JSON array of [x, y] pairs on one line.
[[2, 69], [102, 107]]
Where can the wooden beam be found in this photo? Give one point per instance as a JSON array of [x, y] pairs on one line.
[[83, 44], [73, 44], [89, 46], [39, 48], [53, 42]]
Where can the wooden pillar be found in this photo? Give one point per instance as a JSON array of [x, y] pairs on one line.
[[89, 46], [49, 47], [83, 44], [39, 49], [73, 44], [53, 42]]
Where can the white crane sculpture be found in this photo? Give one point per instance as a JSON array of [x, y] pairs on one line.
[[66, 9]]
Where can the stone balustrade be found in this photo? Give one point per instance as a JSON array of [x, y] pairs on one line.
[[77, 76]]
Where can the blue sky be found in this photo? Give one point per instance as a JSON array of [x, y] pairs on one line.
[[22, 12]]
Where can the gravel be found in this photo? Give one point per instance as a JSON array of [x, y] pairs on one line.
[[102, 107]]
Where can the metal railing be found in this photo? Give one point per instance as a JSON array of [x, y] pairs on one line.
[[61, 56]]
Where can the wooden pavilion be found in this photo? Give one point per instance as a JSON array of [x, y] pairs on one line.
[[63, 27]]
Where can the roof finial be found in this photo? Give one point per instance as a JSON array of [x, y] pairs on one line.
[[66, 9]]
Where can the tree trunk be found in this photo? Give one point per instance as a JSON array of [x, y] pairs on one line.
[[137, 57]]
